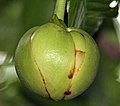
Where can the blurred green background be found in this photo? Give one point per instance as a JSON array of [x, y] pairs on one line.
[[16, 17]]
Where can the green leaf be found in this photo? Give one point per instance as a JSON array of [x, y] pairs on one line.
[[89, 14]]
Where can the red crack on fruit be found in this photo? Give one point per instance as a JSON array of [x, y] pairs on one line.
[[67, 92], [72, 71], [43, 80], [78, 61], [75, 67]]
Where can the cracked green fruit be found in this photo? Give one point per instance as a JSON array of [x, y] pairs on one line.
[[56, 62]]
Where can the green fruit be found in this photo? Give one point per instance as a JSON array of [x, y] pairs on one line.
[[56, 62]]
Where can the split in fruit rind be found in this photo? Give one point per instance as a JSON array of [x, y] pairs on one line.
[[26, 69], [88, 69], [54, 56]]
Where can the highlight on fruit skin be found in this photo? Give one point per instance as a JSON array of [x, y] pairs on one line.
[[55, 62]]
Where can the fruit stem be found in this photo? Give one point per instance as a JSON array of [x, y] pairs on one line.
[[60, 9]]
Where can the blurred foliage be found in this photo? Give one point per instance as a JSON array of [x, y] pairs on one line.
[[17, 16], [89, 14], [10, 23], [37, 12]]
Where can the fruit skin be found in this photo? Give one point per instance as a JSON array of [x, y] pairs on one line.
[[56, 62]]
